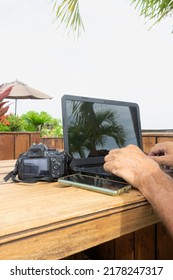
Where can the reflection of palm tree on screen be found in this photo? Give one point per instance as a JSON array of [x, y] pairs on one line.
[[90, 128]]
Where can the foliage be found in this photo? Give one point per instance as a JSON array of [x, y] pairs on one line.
[[43, 122], [15, 122], [32, 121], [4, 123], [10, 123], [67, 11], [154, 9], [54, 128], [3, 95]]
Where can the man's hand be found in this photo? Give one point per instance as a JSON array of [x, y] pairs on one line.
[[162, 153], [131, 164]]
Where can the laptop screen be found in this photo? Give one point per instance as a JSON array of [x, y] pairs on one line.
[[92, 127]]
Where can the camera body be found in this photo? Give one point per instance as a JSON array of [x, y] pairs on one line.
[[42, 163]]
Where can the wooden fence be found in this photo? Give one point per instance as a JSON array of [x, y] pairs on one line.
[[53, 142], [12, 144]]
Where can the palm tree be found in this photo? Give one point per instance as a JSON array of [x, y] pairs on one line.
[[90, 128], [67, 11]]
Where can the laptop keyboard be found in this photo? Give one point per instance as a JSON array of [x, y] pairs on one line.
[[93, 170], [96, 170]]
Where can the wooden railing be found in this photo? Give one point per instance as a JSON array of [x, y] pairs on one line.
[[151, 137], [12, 144], [53, 142]]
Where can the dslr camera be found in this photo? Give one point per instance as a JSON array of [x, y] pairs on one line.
[[41, 163]]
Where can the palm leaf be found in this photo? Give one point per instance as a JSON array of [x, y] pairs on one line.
[[154, 9], [67, 13]]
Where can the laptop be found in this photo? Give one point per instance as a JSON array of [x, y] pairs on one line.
[[92, 127]]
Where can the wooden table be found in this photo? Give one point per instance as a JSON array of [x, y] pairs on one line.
[[50, 221]]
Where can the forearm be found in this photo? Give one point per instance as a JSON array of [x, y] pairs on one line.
[[158, 189], [143, 173]]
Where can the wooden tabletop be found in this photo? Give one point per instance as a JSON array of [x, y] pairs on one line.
[[51, 221]]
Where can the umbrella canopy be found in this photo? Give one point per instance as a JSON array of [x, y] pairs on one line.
[[23, 91]]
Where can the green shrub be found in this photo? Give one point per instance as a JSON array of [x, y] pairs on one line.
[[4, 127], [15, 123], [54, 128], [32, 121], [10, 123]]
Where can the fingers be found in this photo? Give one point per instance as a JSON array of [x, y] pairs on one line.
[[122, 161], [161, 149], [123, 152], [157, 151], [111, 161], [164, 160], [111, 155]]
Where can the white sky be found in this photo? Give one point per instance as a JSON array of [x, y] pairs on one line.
[[116, 58]]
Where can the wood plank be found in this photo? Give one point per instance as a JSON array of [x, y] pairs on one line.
[[53, 245], [53, 142], [164, 243], [7, 143], [124, 247], [53, 206], [145, 243], [77, 256], [148, 143], [7, 163], [22, 144], [14, 143], [164, 139], [156, 133], [121, 248], [34, 138], [104, 251]]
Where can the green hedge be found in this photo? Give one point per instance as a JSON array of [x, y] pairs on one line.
[[32, 121]]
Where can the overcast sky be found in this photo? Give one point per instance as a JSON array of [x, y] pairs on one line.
[[116, 58]]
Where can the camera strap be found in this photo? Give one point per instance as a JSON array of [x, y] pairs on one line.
[[12, 175]]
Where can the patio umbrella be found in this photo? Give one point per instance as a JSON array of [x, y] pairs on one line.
[[23, 91]]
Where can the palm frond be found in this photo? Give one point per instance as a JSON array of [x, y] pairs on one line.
[[154, 9], [67, 13]]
